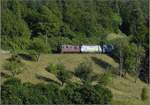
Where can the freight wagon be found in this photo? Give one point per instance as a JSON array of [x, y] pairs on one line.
[[70, 49], [91, 48], [86, 48]]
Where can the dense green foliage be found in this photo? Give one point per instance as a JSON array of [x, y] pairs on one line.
[[52, 68], [84, 71], [69, 21], [42, 25], [144, 94], [60, 71], [14, 65], [105, 78], [62, 74], [15, 92], [38, 46]]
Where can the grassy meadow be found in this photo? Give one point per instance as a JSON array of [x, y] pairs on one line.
[[125, 90]]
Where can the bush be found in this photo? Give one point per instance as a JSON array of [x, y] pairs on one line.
[[59, 70], [29, 55], [12, 81], [15, 92], [95, 94], [14, 65], [144, 94], [52, 68], [87, 94], [60, 66], [12, 100], [63, 76], [37, 47], [10, 90], [104, 94], [33, 55], [72, 94], [15, 58], [105, 78], [84, 71]]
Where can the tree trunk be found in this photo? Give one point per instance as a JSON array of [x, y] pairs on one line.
[[62, 83], [46, 39], [136, 78], [138, 59], [38, 57], [121, 63], [125, 73]]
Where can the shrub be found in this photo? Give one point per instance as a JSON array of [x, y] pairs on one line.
[[10, 90], [28, 55], [33, 55], [72, 94], [89, 94], [63, 76], [60, 66], [12, 100], [105, 78], [52, 68], [95, 94], [104, 94], [14, 65], [38, 46], [84, 71], [15, 58], [12, 81], [59, 70], [15, 92], [144, 94]]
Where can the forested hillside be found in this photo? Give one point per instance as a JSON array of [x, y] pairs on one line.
[[32, 28], [55, 22]]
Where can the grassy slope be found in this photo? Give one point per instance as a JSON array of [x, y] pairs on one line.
[[125, 91]]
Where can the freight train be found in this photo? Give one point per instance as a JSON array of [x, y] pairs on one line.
[[86, 48]]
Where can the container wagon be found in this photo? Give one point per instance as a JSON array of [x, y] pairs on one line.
[[91, 49]]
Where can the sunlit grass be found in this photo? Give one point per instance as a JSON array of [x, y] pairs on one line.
[[125, 90]]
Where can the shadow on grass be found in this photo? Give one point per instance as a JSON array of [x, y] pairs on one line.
[[101, 63], [25, 56], [46, 79], [4, 75]]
